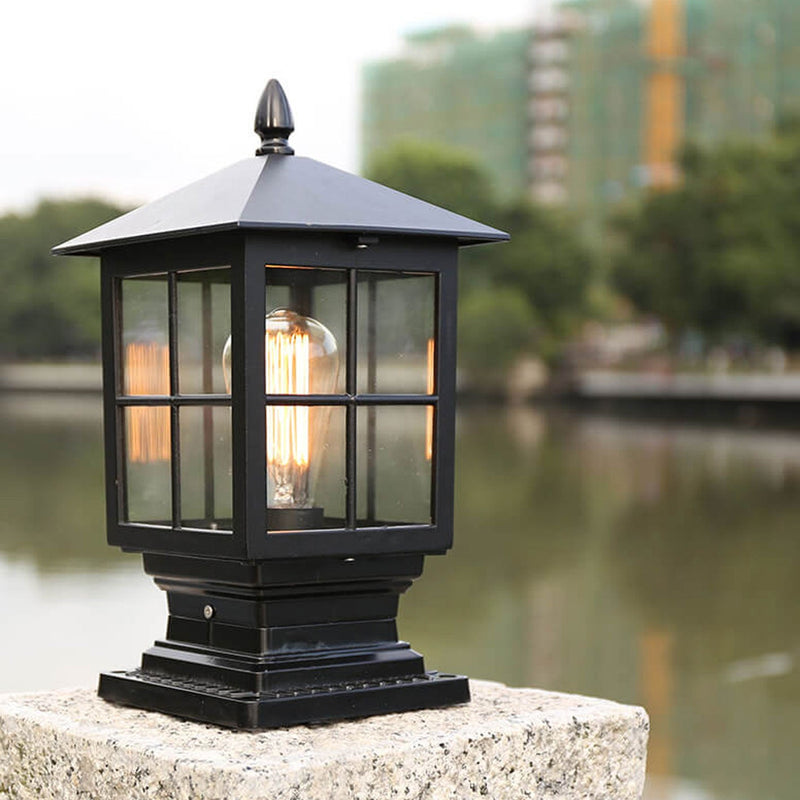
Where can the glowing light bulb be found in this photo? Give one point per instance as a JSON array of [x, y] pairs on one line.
[[301, 358]]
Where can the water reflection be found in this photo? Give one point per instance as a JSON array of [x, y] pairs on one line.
[[63, 591], [646, 563], [51, 482]]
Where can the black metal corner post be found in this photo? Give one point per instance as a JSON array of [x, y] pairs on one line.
[[248, 311], [110, 334], [444, 466]]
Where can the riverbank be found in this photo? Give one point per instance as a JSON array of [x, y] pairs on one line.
[[605, 388], [51, 378], [738, 399]]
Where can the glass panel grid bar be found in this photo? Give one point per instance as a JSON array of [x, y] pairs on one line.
[[344, 399], [208, 418], [174, 400]]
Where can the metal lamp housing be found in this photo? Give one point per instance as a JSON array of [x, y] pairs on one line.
[[279, 618]]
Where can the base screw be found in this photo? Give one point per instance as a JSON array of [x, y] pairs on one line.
[[208, 612]]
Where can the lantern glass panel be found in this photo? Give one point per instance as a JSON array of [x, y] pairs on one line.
[[305, 467], [206, 467], [396, 333], [320, 294], [204, 322], [394, 465], [147, 485], [145, 336]]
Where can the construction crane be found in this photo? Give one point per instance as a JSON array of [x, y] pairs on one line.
[[664, 123]]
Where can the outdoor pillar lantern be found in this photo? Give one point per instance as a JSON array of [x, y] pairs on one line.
[[279, 378]]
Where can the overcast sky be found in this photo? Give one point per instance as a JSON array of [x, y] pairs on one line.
[[132, 100]]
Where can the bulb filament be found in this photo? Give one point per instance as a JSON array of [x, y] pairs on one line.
[[300, 358], [288, 441]]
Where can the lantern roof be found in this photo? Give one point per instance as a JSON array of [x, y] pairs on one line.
[[279, 191]]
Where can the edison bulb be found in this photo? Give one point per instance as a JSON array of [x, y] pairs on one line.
[[301, 357]]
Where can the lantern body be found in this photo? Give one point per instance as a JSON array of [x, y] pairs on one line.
[[189, 456], [189, 459], [279, 396]]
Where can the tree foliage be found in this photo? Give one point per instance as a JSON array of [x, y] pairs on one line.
[[525, 295], [536, 284], [444, 176], [721, 252], [49, 307], [494, 327]]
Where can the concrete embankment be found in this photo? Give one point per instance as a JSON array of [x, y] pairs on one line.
[[51, 378], [750, 399]]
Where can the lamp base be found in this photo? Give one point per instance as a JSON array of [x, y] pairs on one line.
[[295, 519], [269, 644], [219, 705]]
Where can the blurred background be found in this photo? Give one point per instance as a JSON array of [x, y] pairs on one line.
[[628, 462]]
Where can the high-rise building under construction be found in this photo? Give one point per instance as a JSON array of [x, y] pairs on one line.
[[454, 86], [592, 103]]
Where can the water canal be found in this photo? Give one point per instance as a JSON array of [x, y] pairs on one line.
[[648, 563]]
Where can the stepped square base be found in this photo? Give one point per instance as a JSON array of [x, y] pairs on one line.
[[220, 705]]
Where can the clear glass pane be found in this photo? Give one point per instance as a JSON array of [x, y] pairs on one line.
[[148, 486], [206, 467], [393, 464], [304, 300], [145, 336], [204, 324], [396, 330], [305, 467]]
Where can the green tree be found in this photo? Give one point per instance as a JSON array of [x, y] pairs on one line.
[[445, 176], [721, 252], [49, 307], [538, 281], [547, 262], [494, 327]]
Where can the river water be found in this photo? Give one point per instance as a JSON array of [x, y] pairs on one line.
[[640, 562]]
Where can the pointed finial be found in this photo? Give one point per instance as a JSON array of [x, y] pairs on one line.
[[274, 122]]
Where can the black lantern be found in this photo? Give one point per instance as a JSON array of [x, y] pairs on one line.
[[279, 380]]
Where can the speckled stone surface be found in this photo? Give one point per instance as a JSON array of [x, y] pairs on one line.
[[505, 744]]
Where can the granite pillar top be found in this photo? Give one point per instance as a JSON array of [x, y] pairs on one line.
[[506, 743]]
